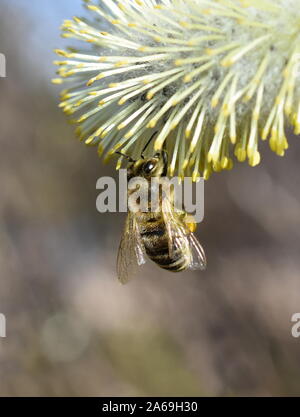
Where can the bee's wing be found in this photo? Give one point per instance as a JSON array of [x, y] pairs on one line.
[[198, 258], [131, 250], [180, 237]]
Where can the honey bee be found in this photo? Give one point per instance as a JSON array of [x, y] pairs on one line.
[[162, 235]]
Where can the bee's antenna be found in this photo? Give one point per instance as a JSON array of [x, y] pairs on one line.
[[147, 144], [126, 156]]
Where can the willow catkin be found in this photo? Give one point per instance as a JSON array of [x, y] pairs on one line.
[[212, 78]]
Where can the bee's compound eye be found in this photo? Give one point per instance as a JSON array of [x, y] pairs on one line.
[[148, 167]]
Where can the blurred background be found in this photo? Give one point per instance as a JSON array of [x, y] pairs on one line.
[[72, 330]]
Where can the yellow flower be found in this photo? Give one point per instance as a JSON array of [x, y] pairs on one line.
[[212, 77]]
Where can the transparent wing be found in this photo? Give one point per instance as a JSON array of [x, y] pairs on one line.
[[180, 237], [197, 254], [131, 252]]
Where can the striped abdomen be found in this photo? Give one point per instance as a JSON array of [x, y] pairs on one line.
[[155, 239]]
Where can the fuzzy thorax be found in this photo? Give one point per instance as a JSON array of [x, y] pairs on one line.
[[209, 76]]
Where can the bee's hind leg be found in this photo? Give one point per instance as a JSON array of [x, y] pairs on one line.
[[188, 220]]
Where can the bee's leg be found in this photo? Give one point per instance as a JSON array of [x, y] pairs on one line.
[[189, 221]]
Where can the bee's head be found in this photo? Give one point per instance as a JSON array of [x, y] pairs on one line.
[[156, 166]]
